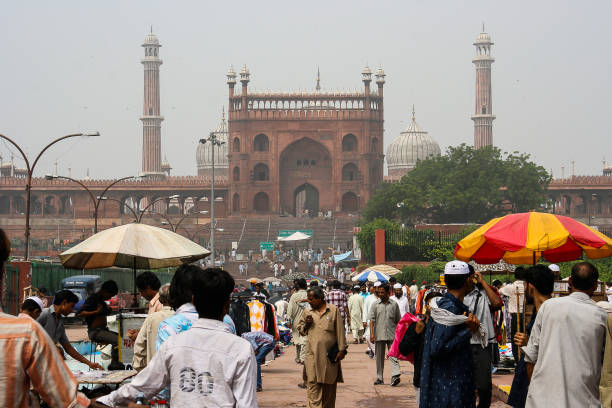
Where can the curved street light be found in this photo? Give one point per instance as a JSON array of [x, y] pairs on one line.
[[30, 169], [120, 204], [174, 226], [144, 210], [94, 200]]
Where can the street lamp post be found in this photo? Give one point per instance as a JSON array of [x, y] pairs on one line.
[[144, 210], [120, 203], [95, 201], [174, 227], [214, 141], [30, 169]]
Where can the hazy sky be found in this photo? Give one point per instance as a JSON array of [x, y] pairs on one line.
[[69, 66]]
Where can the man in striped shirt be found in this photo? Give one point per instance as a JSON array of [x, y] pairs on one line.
[[28, 358]]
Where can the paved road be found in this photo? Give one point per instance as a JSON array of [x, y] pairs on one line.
[[281, 376]]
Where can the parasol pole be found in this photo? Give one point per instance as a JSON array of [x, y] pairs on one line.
[[134, 301], [518, 317]]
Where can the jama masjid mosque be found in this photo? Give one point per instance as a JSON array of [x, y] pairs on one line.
[[285, 154]]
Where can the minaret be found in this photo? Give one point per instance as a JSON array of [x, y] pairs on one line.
[[483, 114], [151, 118]]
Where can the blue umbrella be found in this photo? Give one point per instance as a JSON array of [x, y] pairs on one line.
[[370, 275]]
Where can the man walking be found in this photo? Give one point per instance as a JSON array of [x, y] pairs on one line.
[[338, 298], [384, 316], [564, 352], [367, 307], [355, 305], [294, 313], [447, 372], [400, 299], [325, 348], [481, 301]]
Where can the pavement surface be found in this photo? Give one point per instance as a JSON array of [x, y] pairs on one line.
[[281, 376]]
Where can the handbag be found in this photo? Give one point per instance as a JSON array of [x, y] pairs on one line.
[[333, 352]]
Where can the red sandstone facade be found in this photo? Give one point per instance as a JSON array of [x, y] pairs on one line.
[[313, 151]]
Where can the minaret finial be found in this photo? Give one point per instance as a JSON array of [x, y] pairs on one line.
[[318, 87], [483, 27], [413, 114], [223, 114], [151, 28]]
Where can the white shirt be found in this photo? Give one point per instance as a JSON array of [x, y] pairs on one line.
[[402, 303], [367, 305], [510, 291], [281, 308], [414, 291], [206, 366], [566, 345]]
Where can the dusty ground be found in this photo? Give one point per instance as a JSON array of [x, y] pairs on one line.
[[281, 376]]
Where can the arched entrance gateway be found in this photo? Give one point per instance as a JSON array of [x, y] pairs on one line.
[[306, 197], [305, 178]]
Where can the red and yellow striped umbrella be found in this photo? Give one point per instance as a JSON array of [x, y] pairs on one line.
[[524, 238]]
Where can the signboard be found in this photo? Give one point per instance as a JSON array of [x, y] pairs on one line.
[[267, 245], [234, 245], [286, 233]]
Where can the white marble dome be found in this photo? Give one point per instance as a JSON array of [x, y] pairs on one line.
[[410, 146], [204, 152]]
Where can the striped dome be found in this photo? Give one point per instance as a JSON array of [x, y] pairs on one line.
[[204, 151]]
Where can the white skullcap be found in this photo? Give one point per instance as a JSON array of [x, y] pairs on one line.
[[37, 300], [377, 284], [456, 268], [397, 286], [554, 267]]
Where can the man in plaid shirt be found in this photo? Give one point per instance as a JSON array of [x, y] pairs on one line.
[[338, 298]]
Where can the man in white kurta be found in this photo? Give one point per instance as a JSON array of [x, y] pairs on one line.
[[370, 300], [355, 306], [566, 346]]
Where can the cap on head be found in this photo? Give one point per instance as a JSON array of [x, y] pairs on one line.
[[377, 284], [456, 268], [37, 300], [554, 268], [397, 286]]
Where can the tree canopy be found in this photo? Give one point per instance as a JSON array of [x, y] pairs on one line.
[[464, 185]]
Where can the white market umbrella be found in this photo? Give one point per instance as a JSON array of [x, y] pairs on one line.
[[136, 246], [296, 236], [133, 245]]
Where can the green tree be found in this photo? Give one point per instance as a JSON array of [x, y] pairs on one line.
[[463, 185]]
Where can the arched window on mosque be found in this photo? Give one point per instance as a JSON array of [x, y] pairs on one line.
[[261, 172], [236, 173], [236, 144], [349, 172], [349, 143], [261, 143]]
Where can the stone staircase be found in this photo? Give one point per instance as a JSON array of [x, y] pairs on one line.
[[250, 231]]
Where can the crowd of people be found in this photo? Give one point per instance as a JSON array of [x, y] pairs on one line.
[[188, 351]]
